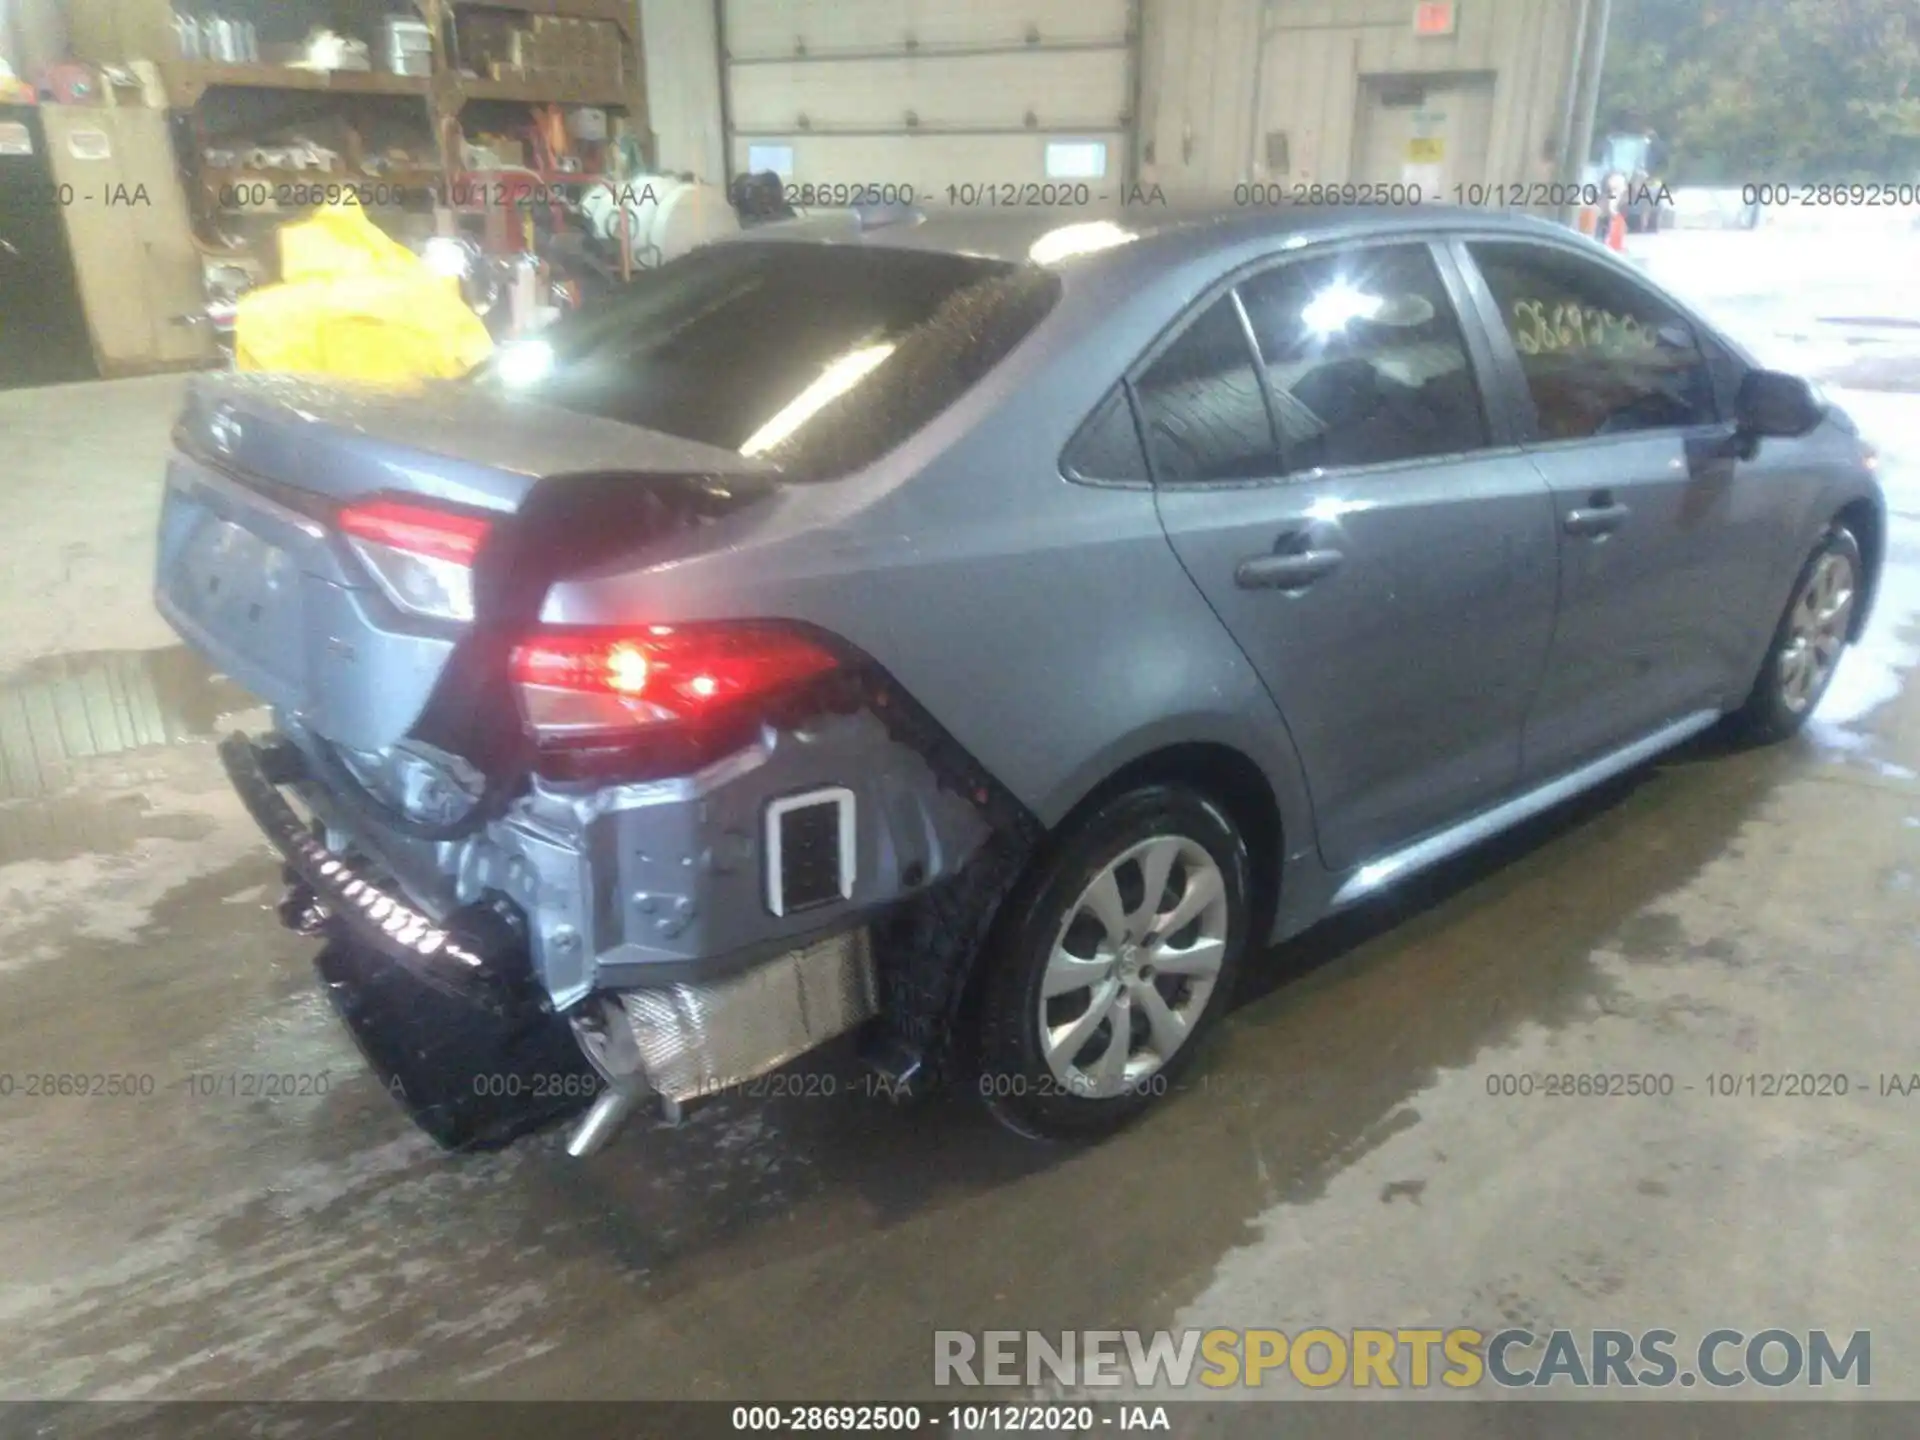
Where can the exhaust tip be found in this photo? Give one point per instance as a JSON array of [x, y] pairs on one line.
[[603, 1121]]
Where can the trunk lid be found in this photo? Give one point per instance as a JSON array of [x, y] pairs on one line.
[[252, 572], [445, 440]]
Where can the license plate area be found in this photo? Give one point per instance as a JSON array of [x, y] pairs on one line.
[[244, 590]]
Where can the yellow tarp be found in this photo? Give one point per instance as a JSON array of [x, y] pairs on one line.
[[353, 301]]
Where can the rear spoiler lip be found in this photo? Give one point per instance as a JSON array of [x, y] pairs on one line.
[[315, 508], [309, 505], [431, 419]]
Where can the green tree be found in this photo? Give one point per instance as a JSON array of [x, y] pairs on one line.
[[1754, 90]]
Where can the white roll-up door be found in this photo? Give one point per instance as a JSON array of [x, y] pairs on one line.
[[929, 93]]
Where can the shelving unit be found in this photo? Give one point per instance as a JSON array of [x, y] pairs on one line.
[[541, 92], [617, 12], [395, 141], [119, 31], [188, 80]]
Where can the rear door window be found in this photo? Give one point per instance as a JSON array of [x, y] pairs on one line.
[[820, 357], [1601, 355], [1201, 405], [1366, 358], [1107, 447]]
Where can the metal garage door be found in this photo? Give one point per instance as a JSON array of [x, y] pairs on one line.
[[930, 93]]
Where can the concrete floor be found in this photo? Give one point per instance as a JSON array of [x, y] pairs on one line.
[[1337, 1161]]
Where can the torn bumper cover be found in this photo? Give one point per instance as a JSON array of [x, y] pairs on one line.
[[448, 1015], [454, 1022]]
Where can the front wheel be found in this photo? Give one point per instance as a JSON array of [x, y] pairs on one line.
[[1807, 643], [1116, 956]]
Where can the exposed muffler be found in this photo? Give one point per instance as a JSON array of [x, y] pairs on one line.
[[679, 1043], [479, 1070]]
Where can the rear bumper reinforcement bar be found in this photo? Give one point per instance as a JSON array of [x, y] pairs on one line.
[[448, 1015], [462, 960]]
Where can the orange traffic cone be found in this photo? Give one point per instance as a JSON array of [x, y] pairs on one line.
[[1617, 232]]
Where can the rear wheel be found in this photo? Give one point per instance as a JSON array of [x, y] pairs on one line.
[[1115, 958], [1807, 643]]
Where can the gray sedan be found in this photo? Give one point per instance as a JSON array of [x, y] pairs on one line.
[[979, 634]]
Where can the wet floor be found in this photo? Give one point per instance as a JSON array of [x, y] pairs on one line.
[[1337, 1160]]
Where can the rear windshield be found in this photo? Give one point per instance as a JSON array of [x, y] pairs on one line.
[[819, 357]]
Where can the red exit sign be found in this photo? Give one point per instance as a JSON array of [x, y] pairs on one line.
[[1433, 17]]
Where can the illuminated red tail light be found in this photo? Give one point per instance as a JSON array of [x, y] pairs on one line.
[[421, 555], [606, 682]]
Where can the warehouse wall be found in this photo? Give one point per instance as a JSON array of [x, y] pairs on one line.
[[1225, 87], [682, 56], [1219, 76], [35, 34], [930, 93]]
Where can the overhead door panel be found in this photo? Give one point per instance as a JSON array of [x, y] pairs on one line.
[[774, 27], [927, 92], [1078, 89]]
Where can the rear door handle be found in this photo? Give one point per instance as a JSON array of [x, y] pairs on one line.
[[1294, 570], [1601, 518]]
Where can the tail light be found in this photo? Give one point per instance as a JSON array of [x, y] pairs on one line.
[[600, 684], [422, 556]]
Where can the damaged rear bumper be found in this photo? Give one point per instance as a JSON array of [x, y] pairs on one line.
[[448, 1016], [455, 1023]]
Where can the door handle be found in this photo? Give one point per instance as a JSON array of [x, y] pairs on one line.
[[1294, 570], [1602, 515]]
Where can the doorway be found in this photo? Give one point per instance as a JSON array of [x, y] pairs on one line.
[[43, 331], [1427, 130]]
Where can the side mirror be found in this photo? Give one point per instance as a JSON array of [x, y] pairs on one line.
[[1770, 403]]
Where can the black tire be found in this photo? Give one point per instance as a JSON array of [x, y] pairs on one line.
[[1014, 1078], [1771, 711]]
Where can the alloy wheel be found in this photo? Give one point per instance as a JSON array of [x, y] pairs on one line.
[[1136, 961], [1816, 632]]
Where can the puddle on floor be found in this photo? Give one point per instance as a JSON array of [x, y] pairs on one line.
[[67, 709]]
